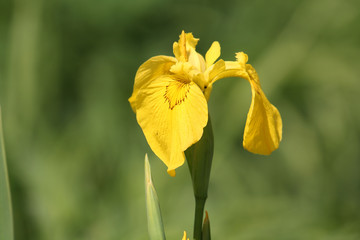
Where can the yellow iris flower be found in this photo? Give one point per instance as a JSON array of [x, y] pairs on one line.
[[170, 101]]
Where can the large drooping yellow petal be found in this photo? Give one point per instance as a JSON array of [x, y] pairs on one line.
[[172, 114], [152, 68], [263, 129]]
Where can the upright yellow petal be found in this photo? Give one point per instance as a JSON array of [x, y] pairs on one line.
[[179, 48], [212, 54], [184, 46], [184, 51], [152, 68], [263, 129], [172, 114], [197, 60]]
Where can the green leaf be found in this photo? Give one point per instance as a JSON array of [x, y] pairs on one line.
[[155, 225], [6, 218]]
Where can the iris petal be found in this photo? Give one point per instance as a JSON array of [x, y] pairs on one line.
[[185, 46], [263, 129], [212, 54], [152, 68], [172, 115]]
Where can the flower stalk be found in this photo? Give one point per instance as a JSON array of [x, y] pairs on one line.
[[199, 157], [199, 213]]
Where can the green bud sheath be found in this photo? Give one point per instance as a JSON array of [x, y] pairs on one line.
[[199, 157], [206, 228], [155, 224]]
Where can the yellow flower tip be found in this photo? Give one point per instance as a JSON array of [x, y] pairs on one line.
[[206, 227], [242, 58], [206, 219], [185, 237], [171, 172], [190, 40]]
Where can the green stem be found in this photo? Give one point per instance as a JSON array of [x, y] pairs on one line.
[[199, 213], [199, 157]]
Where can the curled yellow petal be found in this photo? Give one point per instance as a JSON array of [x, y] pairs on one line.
[[224, 69], [172, 114], [152, 68], [242, 58], [263, 129]]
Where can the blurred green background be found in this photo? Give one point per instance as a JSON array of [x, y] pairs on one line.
[[76, 153]]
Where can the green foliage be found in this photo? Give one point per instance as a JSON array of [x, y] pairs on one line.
[[74, 149], [155, 224], [6, 218]]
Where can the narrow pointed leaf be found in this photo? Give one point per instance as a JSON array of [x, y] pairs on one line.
[[6, 218], [155, 224]]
